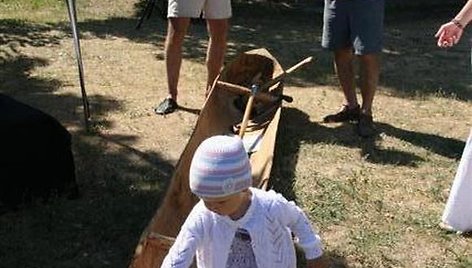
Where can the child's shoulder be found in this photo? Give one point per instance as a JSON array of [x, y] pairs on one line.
[[271, 194], [268, 198]]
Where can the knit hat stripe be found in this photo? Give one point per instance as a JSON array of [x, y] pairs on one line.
[[216, 180], [217, 155], [222, 157], [210, 191], [236, 170]]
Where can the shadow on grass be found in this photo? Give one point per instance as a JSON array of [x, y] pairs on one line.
[[120, 190], [120, 186], [296, 128]]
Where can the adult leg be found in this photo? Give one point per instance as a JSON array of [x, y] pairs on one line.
[[176, 31], [218, 32], [343, 62], [344, 59], [369, 77], [368, 28]]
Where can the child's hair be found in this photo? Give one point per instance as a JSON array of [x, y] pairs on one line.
[[220, 167]]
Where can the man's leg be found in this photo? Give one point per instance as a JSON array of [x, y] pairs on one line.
[[176, 31], [218, 32], [343, 59], [343, 62], [369, 77]]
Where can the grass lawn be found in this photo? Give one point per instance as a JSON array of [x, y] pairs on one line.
[[376, 202]]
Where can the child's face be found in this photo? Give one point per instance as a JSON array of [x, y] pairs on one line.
[[225, 206]]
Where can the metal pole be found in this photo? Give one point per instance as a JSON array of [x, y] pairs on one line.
[[73, 23]]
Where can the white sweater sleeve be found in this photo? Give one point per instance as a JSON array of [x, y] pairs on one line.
[[183, 250], [296, 220]]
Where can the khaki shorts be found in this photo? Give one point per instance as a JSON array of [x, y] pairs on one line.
[[212, 9]]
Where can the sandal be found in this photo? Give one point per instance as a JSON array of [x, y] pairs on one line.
[[167, 106]]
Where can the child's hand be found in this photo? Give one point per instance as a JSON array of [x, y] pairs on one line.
[[316, 263]]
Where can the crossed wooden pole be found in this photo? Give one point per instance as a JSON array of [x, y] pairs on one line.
[[256, 92]]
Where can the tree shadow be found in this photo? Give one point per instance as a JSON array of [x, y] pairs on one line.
[[120, 185], [121, 188], [16, 33]]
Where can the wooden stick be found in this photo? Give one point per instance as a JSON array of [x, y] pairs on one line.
[[260, 96], [247, 113], [275, 80], [250, 101]]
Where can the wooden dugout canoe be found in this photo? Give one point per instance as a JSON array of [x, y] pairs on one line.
[[221, 114]]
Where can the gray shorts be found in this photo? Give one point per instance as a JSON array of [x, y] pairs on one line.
[[212, 9], [354, 23]]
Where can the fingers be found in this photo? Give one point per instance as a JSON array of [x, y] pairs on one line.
[[448, 35], [448, 40], [443, 40]]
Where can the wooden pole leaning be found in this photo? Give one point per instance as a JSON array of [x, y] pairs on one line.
[[250, 101], [277, 79]]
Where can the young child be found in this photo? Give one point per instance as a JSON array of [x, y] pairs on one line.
[[235, 225]]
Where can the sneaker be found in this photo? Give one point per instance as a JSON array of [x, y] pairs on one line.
[[167, 106], [365, 127], [344, 115]]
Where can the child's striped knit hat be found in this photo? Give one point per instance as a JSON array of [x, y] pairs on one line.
[[220, 167]]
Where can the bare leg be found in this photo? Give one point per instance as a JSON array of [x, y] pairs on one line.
[[218, 31], [344, 65], [343, 59], [176, 31], [369, 73]]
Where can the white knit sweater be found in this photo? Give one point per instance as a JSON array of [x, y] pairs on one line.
[[270, 219]]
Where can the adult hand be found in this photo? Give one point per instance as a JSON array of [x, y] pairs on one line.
[[448, 34]]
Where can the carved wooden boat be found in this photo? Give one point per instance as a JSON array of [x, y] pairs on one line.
[[221, 114]]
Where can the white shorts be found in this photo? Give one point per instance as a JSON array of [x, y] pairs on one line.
[[212, 9]]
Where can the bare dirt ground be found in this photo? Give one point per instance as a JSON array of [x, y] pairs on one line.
[[376, 202]]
